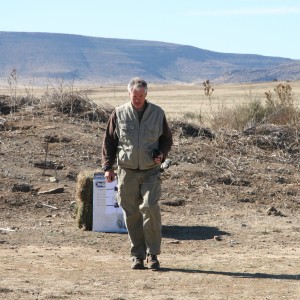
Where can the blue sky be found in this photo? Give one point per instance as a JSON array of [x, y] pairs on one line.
[[266, 27]]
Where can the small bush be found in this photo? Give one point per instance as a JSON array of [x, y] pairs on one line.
[[279, 109], [240, 117]]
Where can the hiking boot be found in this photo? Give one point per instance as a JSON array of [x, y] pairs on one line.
[[137, 263], [152, 262]]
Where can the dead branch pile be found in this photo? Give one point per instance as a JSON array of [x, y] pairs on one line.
[[5, 106], [269, 136], [190, 130], [71, 104], [10, 104], [80, 106]]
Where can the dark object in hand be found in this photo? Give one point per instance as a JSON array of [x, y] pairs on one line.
[[155, 153]]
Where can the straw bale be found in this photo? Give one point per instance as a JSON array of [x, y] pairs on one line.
[[84, 199]]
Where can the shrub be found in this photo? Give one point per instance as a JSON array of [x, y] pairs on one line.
[[241, 116], [279, 109]]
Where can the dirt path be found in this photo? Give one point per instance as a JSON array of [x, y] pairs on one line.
[[254, 260]]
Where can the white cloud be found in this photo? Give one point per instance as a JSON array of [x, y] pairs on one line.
[[247, 11]]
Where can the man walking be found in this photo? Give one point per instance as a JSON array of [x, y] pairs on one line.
[[138, 138]]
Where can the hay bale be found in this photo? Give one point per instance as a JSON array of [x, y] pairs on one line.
[[84, 199]]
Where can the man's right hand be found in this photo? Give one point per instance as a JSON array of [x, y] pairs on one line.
[[109, 175]]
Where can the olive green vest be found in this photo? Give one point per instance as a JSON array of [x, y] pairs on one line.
[[137, 139]]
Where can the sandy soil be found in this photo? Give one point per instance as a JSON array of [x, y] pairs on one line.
[[230, 210]]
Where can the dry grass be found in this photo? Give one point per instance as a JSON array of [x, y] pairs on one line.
[[181, 102], [189, 101]]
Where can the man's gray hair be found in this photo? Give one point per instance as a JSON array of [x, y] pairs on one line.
[[137, 83]]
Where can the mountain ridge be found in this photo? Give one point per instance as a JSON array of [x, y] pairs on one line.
[[85, 59]]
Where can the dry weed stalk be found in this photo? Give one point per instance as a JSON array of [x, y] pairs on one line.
[[13, 83], [208, 90], [284, 96], [46, 149]]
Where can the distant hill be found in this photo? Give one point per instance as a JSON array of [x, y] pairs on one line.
[[46, 56]]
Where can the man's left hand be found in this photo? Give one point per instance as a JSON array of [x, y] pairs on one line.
[[159, 158]]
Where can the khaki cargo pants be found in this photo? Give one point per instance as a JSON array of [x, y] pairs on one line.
[[138, 195]]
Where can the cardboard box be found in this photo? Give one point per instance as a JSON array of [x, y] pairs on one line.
[[107, 215]]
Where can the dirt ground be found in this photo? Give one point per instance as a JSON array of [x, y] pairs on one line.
[[230, 211]]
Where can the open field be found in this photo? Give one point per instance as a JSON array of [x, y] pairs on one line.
[[230, 208], [184, 99], [177, 100]]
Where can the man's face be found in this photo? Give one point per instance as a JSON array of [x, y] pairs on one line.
[[138, 97]]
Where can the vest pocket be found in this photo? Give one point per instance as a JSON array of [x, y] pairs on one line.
[[126, 130]]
